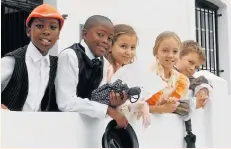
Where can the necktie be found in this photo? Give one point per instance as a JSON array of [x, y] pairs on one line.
[[96, 62]]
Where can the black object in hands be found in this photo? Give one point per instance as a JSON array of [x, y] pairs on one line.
[[102, 94], [134, 93]]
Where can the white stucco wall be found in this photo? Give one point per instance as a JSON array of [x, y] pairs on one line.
[[70, 129], [153, 18], [224, 38]]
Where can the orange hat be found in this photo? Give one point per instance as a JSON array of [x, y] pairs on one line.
[[45, 11]]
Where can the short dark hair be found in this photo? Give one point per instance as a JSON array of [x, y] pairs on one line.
[[95, 20], [30, 22]]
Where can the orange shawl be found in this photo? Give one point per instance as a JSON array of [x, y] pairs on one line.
[[176, 86]]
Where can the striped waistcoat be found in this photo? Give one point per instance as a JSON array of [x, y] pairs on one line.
[[16, 91]]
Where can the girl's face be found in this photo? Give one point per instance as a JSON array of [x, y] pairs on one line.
[[168, 52], [124, 49]]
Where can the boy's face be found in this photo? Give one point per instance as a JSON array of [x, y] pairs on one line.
[[99, 38], [44, 32], [188, 64]]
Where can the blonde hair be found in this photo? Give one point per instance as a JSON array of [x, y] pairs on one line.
[[190, 46], [121, 29], [165, 35]]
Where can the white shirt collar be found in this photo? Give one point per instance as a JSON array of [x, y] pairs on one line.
[[35, 55], [87, 50]]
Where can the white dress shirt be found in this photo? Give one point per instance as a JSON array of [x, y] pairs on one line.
[[38, 68], [66, 81]]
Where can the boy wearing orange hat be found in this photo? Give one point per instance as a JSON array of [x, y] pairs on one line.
[[28, 73]]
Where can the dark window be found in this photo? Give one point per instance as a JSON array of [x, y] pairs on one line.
[[206, 34], [13, 29]]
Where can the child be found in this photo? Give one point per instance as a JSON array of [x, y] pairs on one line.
[[166, 51], [191, 58], [123, 49], [82, 68], [123, 52], [28, 73]]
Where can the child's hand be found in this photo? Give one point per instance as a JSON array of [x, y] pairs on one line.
[[201, 98], [204, 103], [169, 107], [201, 102], [121, 120], [118, 117], [171, 100], [141, 109], [146, 115], [115, 99], [203, 92], [4, 107]]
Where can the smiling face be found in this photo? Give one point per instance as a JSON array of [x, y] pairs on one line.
[[188, 64], [99, 38], [44, 32], [124, 49], [168, 52], [192, 57]]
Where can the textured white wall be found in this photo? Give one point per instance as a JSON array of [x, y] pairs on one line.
[[69, 129], [149, 20]]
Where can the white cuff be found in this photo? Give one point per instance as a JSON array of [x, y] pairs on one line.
[[199, 87], [102, 110]]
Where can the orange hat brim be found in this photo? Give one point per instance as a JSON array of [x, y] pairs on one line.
[[45, 11]]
